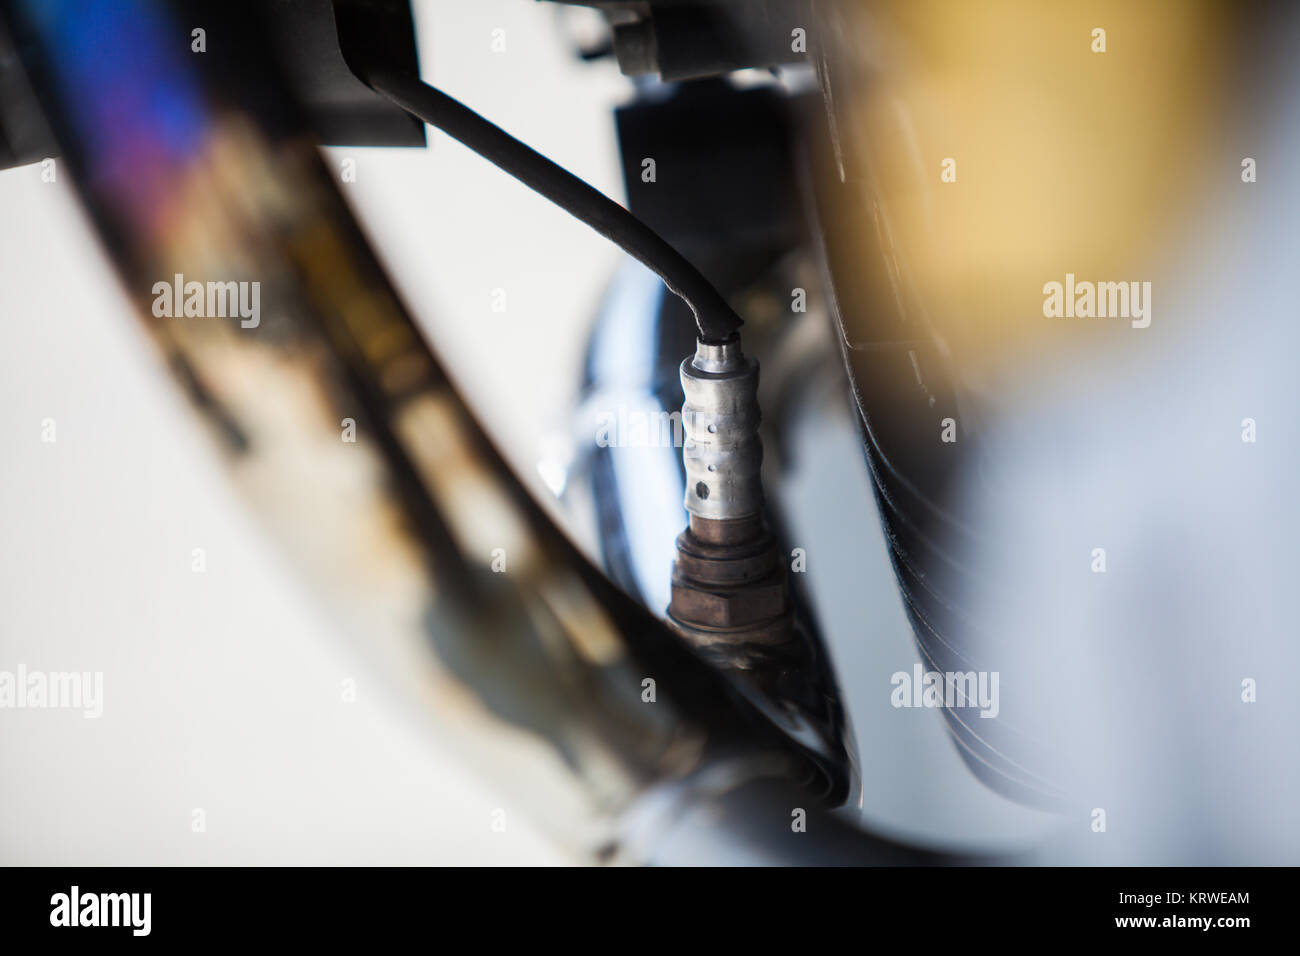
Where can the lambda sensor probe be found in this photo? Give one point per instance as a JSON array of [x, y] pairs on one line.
[[730, 595]]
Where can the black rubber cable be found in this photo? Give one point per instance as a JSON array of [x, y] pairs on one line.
[[715, 319]]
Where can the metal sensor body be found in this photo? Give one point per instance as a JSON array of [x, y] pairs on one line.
[[730, 595], [720, 418]]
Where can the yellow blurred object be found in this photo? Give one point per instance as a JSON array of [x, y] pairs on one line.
[[1006, 144]]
